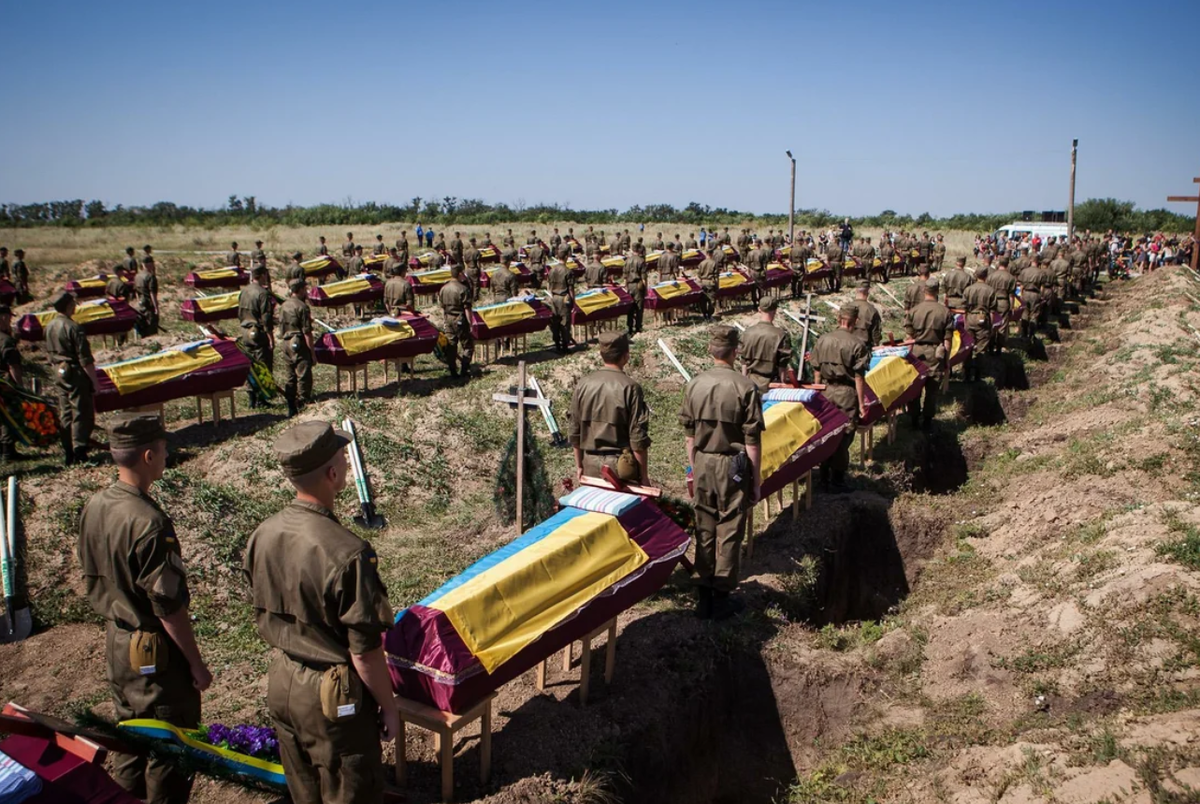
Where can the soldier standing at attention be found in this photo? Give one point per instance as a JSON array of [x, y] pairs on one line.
[[318, 599], [390, 263], [595, 275], [690, 243], [635, 283], [915, 294], [133, 569], [668, 264], [295, 328], [561, 282], [470, 260], [455, 299], [398, 296], [626, 242], [868, 325], [379, 247], [980, 302], [20, 277], [295, 270], [456, 249], [234, 257], [348, 246], [71, 358], [840, 360], [535, 256], [709, 277], [743, 241], [1060, 267], [1005, 285], [508, 252], [357, 264], [130, 264], [258, 256], [659, 244], [256, 317], [756, 262], [798, 260], [555, 241], [833, 258], [610, 421], [939, 253], [503, 282], [766, 349], [145, 284], [1030, 281], [955, 283], [10, 368], [322, 249], [930, 325], [402, 248], [722, 418], [886, 253]]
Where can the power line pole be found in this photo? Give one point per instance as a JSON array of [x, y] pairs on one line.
[[792, 206], [1071, 207], [1184, 199]]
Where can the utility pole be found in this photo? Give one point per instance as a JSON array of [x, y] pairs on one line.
[[1071, 207], [792, 206], [1184, 199]]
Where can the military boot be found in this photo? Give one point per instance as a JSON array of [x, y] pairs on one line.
[[704, 603], [291, 405], [725, 605], [452, 365], [68, 453], [465, 368], [79, 455]]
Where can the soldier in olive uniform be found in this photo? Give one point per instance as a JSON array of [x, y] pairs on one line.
[[690, 243], [20, 277], [723, 420], [668, 264], [402, 248], [798, 259], [1031, 280], [469, 259], [319, 601], [887, 253], [833, 259], [357, 264], [1005, 285], [595, 275], [455, 299], [503, 282], [135, 578], [939, 253], [145, 284], [710, 277], [379, 247], [398, 296], [322, 248], [766, 349], [610, 421], [840, 360], [456, 249], [955, 283], [256, 317], [1060, 267], [930, 325], [130, 264], [979, 300], [74, 372], [10, 368], [348, 248], [756, 262], [868, 326], [295, 270], [561, 283], [295, 330], [258, 256], [635, 283], [535, 258], [234, 257]]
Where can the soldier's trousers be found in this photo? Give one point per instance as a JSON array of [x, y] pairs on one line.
[[846, 398], [297, 365], [982, 333], [165, 695], [797, 283], [756, 289], [708, 305], [147, 322], [459, 346], [633, 319], [720, 505], [924, 411], [324, 762], [560, 320], [76, 406]]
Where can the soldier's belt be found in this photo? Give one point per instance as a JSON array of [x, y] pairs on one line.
[[606, 452]]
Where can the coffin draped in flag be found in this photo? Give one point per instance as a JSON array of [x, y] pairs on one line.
[[614, 267], [517, 316], [202, 367], [95, 316], [425, 260], [674, 293], [518, 269], [802, 429], [691, 257], [359, 289], [962, 343], [894, 379], [489, 254], [732, 284], [601, 304], [777, 276], [320, 267], [230, 277], [815, 269], [430, 281], [89, 288], [211, 308], [379, 339], [599, 555], [374, 263]]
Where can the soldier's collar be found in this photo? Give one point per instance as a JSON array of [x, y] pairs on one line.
[[314, 508]]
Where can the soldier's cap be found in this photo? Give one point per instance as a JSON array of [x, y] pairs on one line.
[[864, 284], [932, 284], [308, 446], [768, 304], [296, 255], [723, 337], [296, 284], [60, 300], [146, 247], [613, 343], [258, 242], [981, 273], [5, 309], [130, 430]]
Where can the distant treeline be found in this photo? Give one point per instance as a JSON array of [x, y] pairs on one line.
[[1097, 214]]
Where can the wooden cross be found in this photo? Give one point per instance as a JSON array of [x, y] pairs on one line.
[[1191, 199], [521, 402]]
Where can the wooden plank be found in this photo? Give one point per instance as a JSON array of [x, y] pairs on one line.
[[1183, 199]]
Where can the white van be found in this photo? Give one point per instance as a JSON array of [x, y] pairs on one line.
[[1043, 230]]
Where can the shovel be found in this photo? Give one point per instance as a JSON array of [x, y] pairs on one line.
[[369, 518], [17, 624]]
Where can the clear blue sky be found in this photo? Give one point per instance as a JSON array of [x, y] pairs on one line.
[[918, 106]]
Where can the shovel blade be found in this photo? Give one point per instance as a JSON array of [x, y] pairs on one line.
[[22, 626]]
